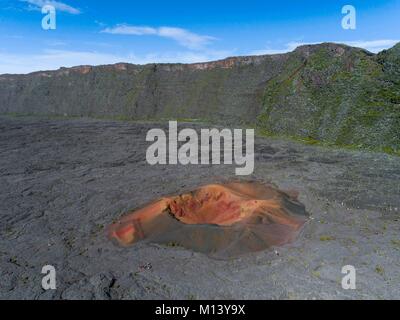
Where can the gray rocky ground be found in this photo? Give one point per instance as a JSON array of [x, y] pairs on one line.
[[63, 181]]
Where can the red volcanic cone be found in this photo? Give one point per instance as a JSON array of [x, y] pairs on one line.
[[223, 220]]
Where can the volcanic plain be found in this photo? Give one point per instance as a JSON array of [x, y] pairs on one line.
[[63, 181]]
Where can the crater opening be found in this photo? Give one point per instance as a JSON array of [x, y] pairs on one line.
[[222, 220]]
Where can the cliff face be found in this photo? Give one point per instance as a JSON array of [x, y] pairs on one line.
[[326, 92], [228, 90], [337, 94]]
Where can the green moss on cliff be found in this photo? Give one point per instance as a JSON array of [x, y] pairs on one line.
[[341, 96]]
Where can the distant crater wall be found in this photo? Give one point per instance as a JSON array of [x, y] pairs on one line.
[[327, 92]]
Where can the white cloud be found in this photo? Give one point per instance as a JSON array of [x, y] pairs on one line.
[[374, 46], [54, 59], [288, 48], [131, 30], [184, 37], [38, 4]]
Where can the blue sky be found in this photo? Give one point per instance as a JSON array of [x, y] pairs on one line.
[[100, 32]]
